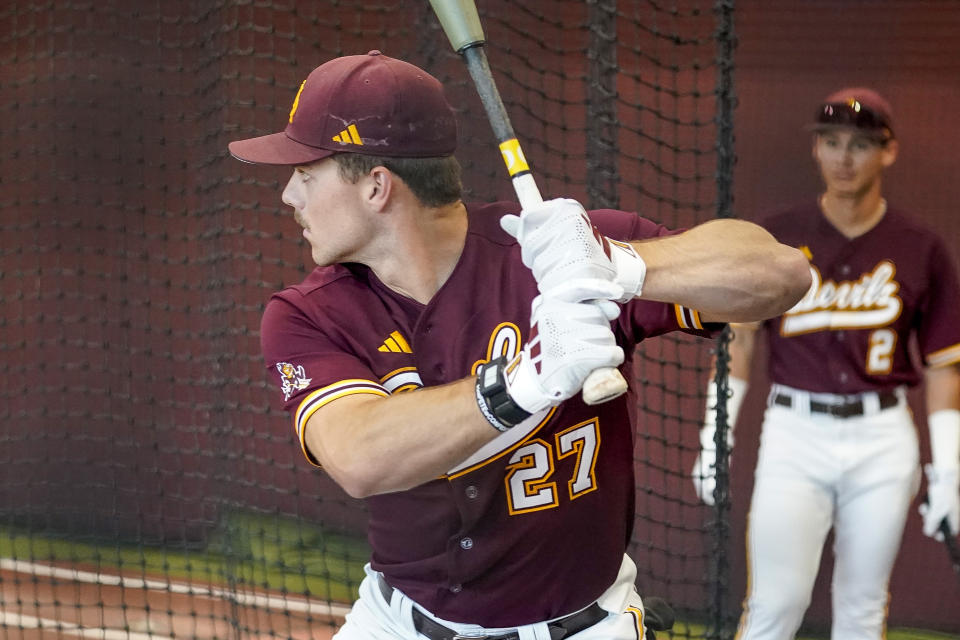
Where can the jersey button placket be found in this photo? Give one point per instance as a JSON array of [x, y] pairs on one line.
[[466, 544]]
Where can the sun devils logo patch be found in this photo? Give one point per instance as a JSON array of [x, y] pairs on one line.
[[292, 378]]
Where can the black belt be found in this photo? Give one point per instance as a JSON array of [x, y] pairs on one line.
[[560, 628], [849, 409]]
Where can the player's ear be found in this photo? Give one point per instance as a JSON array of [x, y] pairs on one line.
[[890, 151], [378, 188]]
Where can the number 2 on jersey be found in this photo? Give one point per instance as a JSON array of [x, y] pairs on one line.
[[531, 466], [880, 351]]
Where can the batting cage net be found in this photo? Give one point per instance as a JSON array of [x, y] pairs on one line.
[[149, 484]]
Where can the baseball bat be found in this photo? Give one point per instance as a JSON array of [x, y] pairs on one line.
[[949, 541], [461, 23]]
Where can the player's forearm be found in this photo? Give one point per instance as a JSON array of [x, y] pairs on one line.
[[942, 386], [375, 445], [729, 270]]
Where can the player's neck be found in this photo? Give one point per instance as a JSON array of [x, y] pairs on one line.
[[418, 258], [854, 215]]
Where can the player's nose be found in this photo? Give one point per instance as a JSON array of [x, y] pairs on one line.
[[289, 195]]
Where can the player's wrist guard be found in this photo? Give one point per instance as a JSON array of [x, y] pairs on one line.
[[493, 398], [630, 268], [944, 428]]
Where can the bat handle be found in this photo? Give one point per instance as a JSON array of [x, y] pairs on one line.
[[527, 191], [602, 384]]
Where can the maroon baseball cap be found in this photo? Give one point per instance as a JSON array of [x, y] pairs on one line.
[[858, 108], [369, 104]]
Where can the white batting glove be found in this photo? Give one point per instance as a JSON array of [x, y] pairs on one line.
[[704, 471], [943, 501], [568, 340], [561, 246], [704, 475]]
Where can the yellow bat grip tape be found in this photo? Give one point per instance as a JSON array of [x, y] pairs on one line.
[[513, 157]]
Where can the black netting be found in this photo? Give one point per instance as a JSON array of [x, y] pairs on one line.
[[147, 484]]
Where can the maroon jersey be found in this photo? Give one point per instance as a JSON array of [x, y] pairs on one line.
[[532, 526], [851, 332]]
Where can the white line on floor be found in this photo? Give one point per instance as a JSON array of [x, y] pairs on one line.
[[281, 603]]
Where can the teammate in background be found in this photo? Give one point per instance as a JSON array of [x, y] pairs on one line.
[[838, 446], [426, 375]]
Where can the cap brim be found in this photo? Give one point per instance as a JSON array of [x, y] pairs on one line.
[[276, 149], [876, 134]]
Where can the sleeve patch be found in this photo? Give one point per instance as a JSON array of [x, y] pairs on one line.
[[293, 378]]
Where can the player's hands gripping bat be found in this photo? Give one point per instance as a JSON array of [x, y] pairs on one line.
[[564, 250], [461, 23], [568, 341]]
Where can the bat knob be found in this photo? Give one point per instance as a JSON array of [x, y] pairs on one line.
[[603, 385]]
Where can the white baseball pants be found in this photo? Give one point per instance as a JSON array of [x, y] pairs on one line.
[[372, 618], [857, 475]]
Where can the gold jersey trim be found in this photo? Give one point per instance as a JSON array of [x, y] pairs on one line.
[[687, 318], [322, 397], [944, 357]]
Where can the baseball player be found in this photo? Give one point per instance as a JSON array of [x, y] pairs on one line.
[[838, 447], [432, 362]]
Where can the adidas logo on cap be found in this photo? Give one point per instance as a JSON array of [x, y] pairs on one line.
[[350, 135]]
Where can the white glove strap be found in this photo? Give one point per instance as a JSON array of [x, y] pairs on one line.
[[523, 384], [630, 269], [738, 390], [945, 438]]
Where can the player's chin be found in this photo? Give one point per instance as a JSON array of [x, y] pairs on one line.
[[327, 259], [844, 180], [320, 258], [844, 188]]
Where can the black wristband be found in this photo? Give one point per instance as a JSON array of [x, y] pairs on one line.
[[495, 403]]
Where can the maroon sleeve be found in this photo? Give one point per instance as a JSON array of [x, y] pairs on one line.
[[938, 330], [624, 225], [309, 365]]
